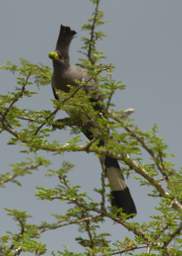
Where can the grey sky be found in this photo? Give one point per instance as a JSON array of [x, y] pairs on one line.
[[144, 42]]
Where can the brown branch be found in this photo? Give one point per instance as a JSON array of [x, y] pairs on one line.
[[134, 165], [128, 226], [28, 119], [59, 224], [129, 249]]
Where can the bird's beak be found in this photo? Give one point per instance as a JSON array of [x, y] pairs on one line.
[[53, 55]]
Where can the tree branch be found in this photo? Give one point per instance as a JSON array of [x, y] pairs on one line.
[[92, 32], [133, 164], [173, 235], [129, 250], [160, 165]]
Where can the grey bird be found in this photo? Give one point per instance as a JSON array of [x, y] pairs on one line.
[[66, 75]]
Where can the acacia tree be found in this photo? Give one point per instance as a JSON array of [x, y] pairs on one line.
[[34, 131]]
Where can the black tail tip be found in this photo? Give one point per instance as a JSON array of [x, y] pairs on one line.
[[123, 199]]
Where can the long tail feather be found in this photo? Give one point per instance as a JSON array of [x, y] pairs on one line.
[[120, 194]]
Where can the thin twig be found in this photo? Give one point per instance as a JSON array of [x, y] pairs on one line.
[[59, 224], [16, 98], [6, 126], [129, 249], [173, 235], [160, 167], [132, 133], [13, 176], [103, 192], [109, 99], [52, 114], [17, 251], [8, 109], [92, 33], [89, 232]]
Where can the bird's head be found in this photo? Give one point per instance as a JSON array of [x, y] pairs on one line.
[[61, 54]]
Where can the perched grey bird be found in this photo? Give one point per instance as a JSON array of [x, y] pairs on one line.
[[65, 74]]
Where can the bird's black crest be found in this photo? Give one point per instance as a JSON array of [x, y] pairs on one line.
[[65, 30], [66, 34]]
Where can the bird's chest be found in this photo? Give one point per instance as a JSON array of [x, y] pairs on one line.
[[62, 82]]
